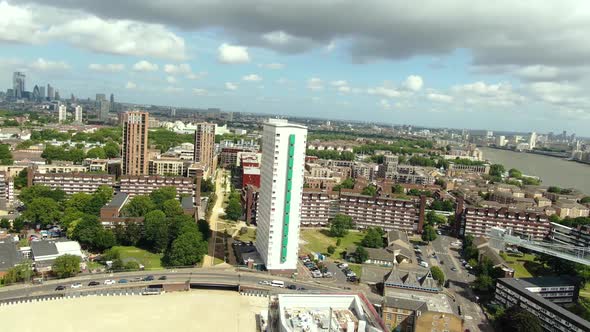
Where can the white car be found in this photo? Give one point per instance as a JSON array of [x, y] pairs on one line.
[[76, 285], [109, 282]]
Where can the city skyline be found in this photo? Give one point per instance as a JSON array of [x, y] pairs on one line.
[[506, 78]]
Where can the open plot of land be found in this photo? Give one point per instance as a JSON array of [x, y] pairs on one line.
[[318, 240], [150, 260], [525, 266], [183, 311], [249, 236]]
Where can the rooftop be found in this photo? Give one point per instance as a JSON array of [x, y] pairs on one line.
[[9, 255], [118, 200]]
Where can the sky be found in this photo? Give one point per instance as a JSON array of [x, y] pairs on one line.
[[501, 65]]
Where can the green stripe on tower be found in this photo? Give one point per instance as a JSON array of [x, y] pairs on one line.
[[289, 186]]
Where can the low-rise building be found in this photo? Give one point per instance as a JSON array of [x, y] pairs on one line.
[[397, 280], [144, 184], [72, 183], [570, 209], [318, 207], [45, 252]]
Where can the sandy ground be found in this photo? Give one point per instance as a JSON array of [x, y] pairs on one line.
[[193, 311]]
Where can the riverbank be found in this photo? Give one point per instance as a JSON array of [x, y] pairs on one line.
[[561, 155]]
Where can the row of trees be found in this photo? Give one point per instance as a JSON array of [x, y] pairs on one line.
[[331, 154], [233, 210], [77, 154], [5, 155]]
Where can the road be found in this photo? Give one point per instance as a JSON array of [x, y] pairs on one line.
[[459, 283], [220, 191]]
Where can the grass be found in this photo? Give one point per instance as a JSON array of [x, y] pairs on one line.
[[217, 261], [149, 260], [92, 265], [319, 240], [525, 266], [249, 236], [356, 268]]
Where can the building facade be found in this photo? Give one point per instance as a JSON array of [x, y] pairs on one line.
[[78, 113], [144, 184], [135, 143], [575, 236], [278, 219], [205, 145], [73, 183], [318, 207]]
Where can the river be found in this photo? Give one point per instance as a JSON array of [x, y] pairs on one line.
[[553, 171]]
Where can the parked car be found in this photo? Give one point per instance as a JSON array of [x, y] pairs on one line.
[[162, 278], [76, 285], [60, 288], [93, 283], [328, 275], [454, 269], [123, 281], [109, 282]]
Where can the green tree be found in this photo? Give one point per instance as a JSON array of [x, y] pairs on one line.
[[44, 211], [18, 224], [5, 155], [398, 189], [438, 275], [39, 191], [133, 234], [361, 255], [18, 273], [207, 186], [132, 266], [428, 234], [517, 319], [369, 190], [204, 228], [96, 153], [484, 283], [112, 150], [172, 208], [103, 239], [138, 206], [233, 211], [340, 225], [20, 181], [497, 170], [585, 200], [514, 173], [161, 195], [156, 231], [4, 223], [373, 238], [66, 266], [331, 249], [79, 201], [554, 189], [188, 249], [100, 197]]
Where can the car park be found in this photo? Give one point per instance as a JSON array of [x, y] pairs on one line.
[[93, 283], [60, 288], [76, 285], [109, 282]]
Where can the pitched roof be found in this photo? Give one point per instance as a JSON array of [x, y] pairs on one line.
[[9, 255], [411, 279], [43, 248], [406, 304]]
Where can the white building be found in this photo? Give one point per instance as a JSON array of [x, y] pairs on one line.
[[501, 140], [283, 167], [532, 140], [78, 114], [62, 113]]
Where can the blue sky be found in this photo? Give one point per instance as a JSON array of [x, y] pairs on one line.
[[449, 65]]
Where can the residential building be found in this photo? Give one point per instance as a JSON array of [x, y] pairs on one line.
[[575, 236], [411, 280], [541, 298], [478, 221], [364, 170], [416, 311], [318, 207], [389, 213], [456, 169], [6, 191], [145, 184], [414, 174], [279, 212], [73, 183], [570, 209], [110, 214], [78, 114], [205, 146], [168, 166], [251, 176], [438, 321], [228, 156], [135, 143], [501, 141], [400, 314], [62, 113], [10, 256]]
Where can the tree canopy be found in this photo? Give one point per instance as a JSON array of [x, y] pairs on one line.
[[518, 319], [438, 275], [340, 225], [138, 206], [428, 233], [497, 170], [66, 266], [373, 238]]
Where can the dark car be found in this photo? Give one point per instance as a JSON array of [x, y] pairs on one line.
[[301, 288], [60, 287], [162, 278], [93, 283], [123, 281], [148, 278], [293, 287]]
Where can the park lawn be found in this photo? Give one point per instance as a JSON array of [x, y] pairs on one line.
[[525, 266], [249, 236], [318, 240], [149, 260]]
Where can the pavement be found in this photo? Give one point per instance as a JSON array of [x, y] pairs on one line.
[[459, 281], [209, 259]]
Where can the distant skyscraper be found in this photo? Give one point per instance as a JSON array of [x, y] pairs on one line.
[[78, 114], [42, 92], [18, 84], [278, 218], [205, 145], [103, 110], [112, 104], [50, 92], [57, 97], [532, 140], [100, 96], [135, 143], [36, 93], [500, 140], [61, 113]]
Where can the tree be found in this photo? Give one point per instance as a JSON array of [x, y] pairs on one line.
[[18, 224], [432, 218], [66, 266], [104, 239], [161, 195], [360, 254], [428, 234], [346, 184], [233, 211], [207, 186], [585, 200], [340, 225], [18, 273], [518, 319], [373, 238], [514, 173], [484, 283], [20, 181], [133, 233], [101, 196], [497, 170], [369, 190], [398, 189], [188, 249], [438, 275], [172, 208], [39, 191], [5, 155], [79, 201], [138, 206], [156, 231], [204, 228], [554, 189], [4, 223], [44, 211], [132, 265], [331, 249], [96, 153], [111, 150]]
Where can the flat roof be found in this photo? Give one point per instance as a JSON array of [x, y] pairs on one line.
[[9, 255], [187, 202], [118, 200]]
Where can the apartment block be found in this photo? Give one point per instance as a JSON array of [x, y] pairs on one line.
[[168, 166], [456, 169], [229, 156], [135, 143], [570, 209], [389, 213], [73, 183], [478, 221], [205, 145], [145, 184], [575, 236], [318, 207]]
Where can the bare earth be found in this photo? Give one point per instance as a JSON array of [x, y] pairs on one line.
[[184, 311]]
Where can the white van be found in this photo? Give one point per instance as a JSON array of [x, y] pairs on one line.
[[277, 283], [423, 264]]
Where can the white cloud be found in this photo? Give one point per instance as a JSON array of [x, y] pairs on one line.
[[557, 93], [278, 38], [48, 65], [173, 89], [231, 86], [500, 94], [145, 66], [183, 68], [384, 103], [171, 79], [107, 67], [233, 54], [344, 89], [413, 83], [196, 76], [274, 66], [384, 92], [339, 83], [252, 78], [315, 84], [130, 85], [200, 92], [439, 97], [330, 47]]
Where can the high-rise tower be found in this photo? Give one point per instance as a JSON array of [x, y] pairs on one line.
[[205, 145], [135, 143], [18, 84], [278, 219], [78, 114], [62, 113]]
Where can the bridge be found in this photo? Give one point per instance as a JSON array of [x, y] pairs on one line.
[[500, 237]]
